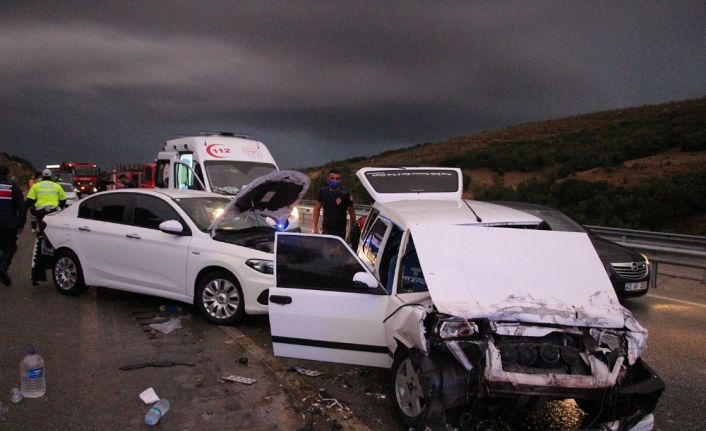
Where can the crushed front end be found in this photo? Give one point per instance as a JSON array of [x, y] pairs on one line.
[[524, 365]]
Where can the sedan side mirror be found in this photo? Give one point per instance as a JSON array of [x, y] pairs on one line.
[[171, 226], [365, 280]]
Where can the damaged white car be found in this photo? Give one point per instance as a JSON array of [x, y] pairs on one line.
[[467, 303]]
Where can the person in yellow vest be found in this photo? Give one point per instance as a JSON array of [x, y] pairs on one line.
[[45, 196]]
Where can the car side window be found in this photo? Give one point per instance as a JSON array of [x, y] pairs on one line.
[[108, 208], [317, 263], [151, 211], [373, 240], [411, 275]]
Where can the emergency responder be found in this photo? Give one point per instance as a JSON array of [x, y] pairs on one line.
[[45, 196], [12, 220], [336, 204]]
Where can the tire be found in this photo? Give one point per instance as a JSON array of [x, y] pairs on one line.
[[67, 274], [406, 390], [220, 298]]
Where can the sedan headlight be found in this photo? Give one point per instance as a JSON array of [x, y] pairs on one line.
[[455, 328], [647, 261], [261, 265]]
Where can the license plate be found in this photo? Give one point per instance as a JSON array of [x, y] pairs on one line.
[[631, 287]]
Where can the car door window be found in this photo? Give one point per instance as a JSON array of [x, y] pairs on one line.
[[151, 211], [373, 240], [411, 275], [318, 263], [108, 208]]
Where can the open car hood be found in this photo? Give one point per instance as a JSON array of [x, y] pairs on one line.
[[516, 275], [272, 195]]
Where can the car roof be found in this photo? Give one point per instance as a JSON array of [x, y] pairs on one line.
[[414, 212], [170, 193]]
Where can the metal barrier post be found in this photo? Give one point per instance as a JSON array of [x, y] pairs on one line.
[[654, 267]]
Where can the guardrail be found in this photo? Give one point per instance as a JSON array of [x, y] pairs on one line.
[[687, 251]]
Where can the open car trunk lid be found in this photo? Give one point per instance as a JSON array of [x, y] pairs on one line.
[[411, 183], [516, 275]]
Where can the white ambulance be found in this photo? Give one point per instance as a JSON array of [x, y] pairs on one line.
[[218, 162]]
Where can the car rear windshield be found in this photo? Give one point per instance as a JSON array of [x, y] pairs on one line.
[[414, 181], [203, 211]]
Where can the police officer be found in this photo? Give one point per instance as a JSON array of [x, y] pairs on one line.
[[336, 203], [45, 195], [12, 220]]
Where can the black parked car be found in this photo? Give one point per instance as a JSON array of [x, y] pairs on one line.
[[628, 270]]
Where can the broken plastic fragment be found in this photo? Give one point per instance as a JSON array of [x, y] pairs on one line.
[[168, 326], [239, 379], [149, 396], [306, 372]]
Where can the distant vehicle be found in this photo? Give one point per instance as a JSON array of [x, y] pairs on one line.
[[217, 162], [468, 304], [70, 191], [629, 271], [85, 176]]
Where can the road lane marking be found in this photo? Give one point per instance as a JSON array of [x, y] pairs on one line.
[[666, 298]]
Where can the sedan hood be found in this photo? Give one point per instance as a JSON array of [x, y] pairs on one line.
[[272, 195], [516, 275]]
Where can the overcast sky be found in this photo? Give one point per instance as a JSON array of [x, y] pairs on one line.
[[320, 81]]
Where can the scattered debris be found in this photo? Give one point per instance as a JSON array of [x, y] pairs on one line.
[[3, 410], [170, 308], [149, 396], [206, 417], [154, 364], [243, 361], [152, 334], [365, 372], [306, 372], [376, 395], [168, 326], [239, 379], [324, 396], [15, 395]]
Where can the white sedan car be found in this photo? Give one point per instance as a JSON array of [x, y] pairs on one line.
[[158, 242]]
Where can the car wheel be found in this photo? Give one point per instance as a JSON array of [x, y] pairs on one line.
[[220, 298], [406, 388], [67, 274]]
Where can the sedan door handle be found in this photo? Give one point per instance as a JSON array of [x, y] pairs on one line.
[[84, 229], [133, 235], [278, 299]]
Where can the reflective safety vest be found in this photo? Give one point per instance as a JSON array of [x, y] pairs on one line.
[[46, 193]]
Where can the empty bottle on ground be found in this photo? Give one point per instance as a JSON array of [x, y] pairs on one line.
[[33, 382], [158, 410]]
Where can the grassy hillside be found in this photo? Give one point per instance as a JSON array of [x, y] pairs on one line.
[[20, 169], [642, 168]]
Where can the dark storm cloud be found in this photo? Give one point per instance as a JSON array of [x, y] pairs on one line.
[[318, 81]]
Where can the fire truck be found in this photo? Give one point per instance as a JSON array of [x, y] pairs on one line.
[[85, 176]]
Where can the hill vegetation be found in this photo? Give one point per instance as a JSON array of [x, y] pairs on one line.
[[640, 168], [20, 169]]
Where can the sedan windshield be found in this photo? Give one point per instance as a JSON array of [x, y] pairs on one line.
[[202, 211], [229, 177]]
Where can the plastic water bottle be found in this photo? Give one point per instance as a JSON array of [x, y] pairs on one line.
[[33, 380], [158, 410]]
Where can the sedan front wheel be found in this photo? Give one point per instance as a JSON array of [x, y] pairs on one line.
[[220, 298], [407, 392]]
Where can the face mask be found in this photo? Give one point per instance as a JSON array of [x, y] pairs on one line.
[[333, 184]]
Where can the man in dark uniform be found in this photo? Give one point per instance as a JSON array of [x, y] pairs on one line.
[[12, 220], [336, 203]]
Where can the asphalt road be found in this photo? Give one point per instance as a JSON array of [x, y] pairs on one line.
[[84, 340]]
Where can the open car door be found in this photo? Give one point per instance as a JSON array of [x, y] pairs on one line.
[[325, 305]]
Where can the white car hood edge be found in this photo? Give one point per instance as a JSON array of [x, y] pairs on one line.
[[517, 275]]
